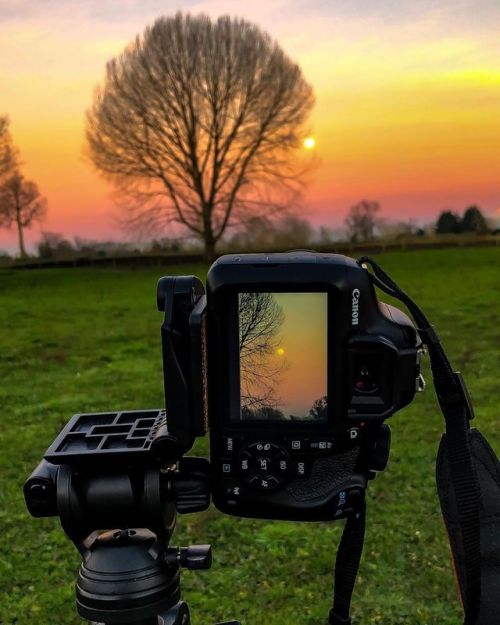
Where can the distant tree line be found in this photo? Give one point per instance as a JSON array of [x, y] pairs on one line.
[[258, 233], [264, 233], [318, 412], [363, 223], [53, 245], [472, 220]]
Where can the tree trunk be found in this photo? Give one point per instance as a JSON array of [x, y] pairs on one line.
[[209, 251], [22, 249], [208, 236]]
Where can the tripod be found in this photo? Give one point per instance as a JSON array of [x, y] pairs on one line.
[[117, 483]]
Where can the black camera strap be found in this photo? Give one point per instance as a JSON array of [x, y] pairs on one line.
[[455, 405], [346, 567]]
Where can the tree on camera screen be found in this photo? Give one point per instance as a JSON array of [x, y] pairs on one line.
[[283, 356]]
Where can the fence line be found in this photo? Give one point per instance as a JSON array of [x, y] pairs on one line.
[[351, 249]]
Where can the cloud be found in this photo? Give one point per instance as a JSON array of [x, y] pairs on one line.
[[92, 10]]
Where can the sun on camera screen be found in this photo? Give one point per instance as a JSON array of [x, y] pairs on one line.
[[283, 356]]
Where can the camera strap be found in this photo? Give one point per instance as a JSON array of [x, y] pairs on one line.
[[455, 455], [346, 566]]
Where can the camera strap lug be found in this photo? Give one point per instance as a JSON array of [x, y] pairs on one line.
[[421, 383]]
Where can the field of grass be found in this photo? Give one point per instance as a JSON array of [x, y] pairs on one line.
[[76, 340]]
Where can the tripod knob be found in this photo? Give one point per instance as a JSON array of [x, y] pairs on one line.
[[40, 490], [191, 485], [194, 557]]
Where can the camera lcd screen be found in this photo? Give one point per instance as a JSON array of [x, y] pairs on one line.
[[283, 356]]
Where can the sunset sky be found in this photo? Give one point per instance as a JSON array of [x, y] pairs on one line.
[[407, 113], [300, 358], [303, 345]]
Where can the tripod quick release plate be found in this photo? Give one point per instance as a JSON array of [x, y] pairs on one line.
[[135, 437]]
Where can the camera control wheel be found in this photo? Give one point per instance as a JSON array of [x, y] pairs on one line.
[[264, 465]]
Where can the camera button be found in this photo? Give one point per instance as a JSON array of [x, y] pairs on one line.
[[300, 468], [229, 445], [297, 444], [281, 465], [262, 446], [263, 464], [353, 434], [265, 483], [233, 489], [245, 462], [321, 445], [226, 466]]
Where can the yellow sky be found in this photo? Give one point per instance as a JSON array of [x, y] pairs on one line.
[[408, 99]]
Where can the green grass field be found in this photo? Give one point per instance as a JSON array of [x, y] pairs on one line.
[[76, 340]]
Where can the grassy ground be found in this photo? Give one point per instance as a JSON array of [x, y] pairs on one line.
[[87, 340]]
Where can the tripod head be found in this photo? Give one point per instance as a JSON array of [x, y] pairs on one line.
[[117, 482]]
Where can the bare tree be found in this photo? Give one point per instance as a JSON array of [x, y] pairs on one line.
[[197, 123], [260, 319], [20, 204], [8, 151], [362, 220]]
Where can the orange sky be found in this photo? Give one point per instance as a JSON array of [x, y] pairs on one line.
[[408, 99], [304, 346]]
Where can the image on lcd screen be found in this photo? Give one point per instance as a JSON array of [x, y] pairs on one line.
[[283, 356]]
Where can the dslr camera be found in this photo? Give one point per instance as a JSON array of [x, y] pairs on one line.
[[293, 365]]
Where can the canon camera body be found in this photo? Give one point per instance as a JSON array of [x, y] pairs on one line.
[[293, 365]]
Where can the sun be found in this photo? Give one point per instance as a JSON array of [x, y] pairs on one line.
[[309, 143], [280, 351]]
